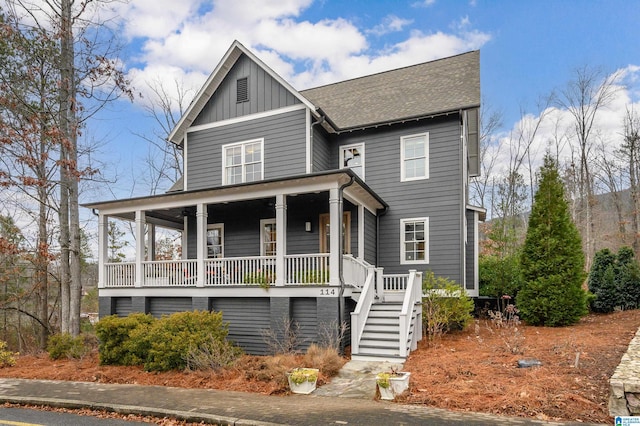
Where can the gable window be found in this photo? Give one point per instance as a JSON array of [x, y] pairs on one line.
[[242, 162], [352, 157], [414, 240], [268, 237], [242, 90], [215, 241], [414, 151]]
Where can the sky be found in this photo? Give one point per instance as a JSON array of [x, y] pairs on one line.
[[528, 50]]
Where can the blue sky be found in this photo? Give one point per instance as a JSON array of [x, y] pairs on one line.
[[528, 49]]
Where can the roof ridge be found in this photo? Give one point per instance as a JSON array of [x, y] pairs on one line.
[[388, 71]]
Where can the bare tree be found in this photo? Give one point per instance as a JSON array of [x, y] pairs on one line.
[[630, 151], [583, 98]]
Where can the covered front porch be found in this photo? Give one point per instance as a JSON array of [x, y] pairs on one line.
[[264, 234]]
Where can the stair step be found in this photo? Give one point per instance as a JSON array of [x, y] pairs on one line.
[[383, 314], [386, 307], [382, 328], [376, 351], [379, 344], [382, 320], [376, 335]]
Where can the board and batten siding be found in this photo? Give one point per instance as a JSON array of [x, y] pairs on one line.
[[247, 318], [440, 198], [265, 94], [284, 148]]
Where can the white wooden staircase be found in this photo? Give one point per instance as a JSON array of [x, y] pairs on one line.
[[386, 324]]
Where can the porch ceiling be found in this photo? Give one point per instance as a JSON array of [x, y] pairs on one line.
[[167, 209]]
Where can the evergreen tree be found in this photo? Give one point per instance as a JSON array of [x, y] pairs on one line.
[[552, 258], [602, 281]]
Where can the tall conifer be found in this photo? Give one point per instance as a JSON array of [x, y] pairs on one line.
[[552, 258]]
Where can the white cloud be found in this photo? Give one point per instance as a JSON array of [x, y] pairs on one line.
[[390, 24]]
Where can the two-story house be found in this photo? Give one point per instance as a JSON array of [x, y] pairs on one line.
[[319, 207]]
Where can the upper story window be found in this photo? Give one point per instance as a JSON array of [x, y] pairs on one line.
[[352, 157], [414, 240], [242, 162], [242, 90], [414, 151]]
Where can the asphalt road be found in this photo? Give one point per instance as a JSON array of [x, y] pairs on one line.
[[31, 417]]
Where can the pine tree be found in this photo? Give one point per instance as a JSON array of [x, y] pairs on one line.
[[552, 258]]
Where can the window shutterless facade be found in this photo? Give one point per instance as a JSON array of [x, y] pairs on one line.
[[414, 240], [243, 162], [268, 237], [215, 241], [414, 153]]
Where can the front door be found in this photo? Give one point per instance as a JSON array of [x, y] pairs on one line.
[[325, 233]]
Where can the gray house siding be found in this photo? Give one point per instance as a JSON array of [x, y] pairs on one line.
[[159, 306], [284, 148], [304, 318], [370, 243], [321, 152], [265, 94], [247, 318], [470, 250], [122, 306], [439, 198]]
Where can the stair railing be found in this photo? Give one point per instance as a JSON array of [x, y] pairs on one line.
[[413, 295], [361, 312]]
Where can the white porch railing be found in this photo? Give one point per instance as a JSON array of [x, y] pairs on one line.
[[121, 274], [306, 269], [361, 312], [395, 282], [256, 270], [413, 295], [354, 270], [169, 273]]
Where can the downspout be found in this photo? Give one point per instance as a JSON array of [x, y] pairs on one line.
[[382, 211], [341, 304]]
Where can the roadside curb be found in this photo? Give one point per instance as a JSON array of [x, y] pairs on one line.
[[186, 416]]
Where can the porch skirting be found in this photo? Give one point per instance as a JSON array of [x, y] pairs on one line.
[[252, 319]]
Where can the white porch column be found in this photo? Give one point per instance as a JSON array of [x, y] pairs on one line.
[[140, 255], [201, 232], [103, 248], [360, 232], [335, 229], [281, 238], [151, 241]]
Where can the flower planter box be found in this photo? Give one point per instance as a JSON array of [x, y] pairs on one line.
[[303, 380], [392, 384]]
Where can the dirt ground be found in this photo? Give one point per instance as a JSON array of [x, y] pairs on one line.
[[473, 370]]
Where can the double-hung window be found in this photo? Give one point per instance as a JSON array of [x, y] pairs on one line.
[[215, 240], [352, 157], [242, 162], [414, 151], [414, 240]]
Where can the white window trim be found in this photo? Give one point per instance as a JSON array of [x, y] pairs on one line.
[[359, 145], [242, 144], [403, 177], [264, 222], [403, 260], [214, 226]]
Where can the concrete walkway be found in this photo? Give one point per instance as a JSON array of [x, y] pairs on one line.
[[356, 379], [238, 408]]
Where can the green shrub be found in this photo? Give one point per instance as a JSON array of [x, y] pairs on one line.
[[122, 340], [312, 277], [263, 279], [445, 306], [614, 281], [66, 346], [7, 358], [500, 276], [171, 338]]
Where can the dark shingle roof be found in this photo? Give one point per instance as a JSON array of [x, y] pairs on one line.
[[416, 91]]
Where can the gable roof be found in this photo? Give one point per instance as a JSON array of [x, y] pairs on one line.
[[417, 91], [213, 82], [413, 92]]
